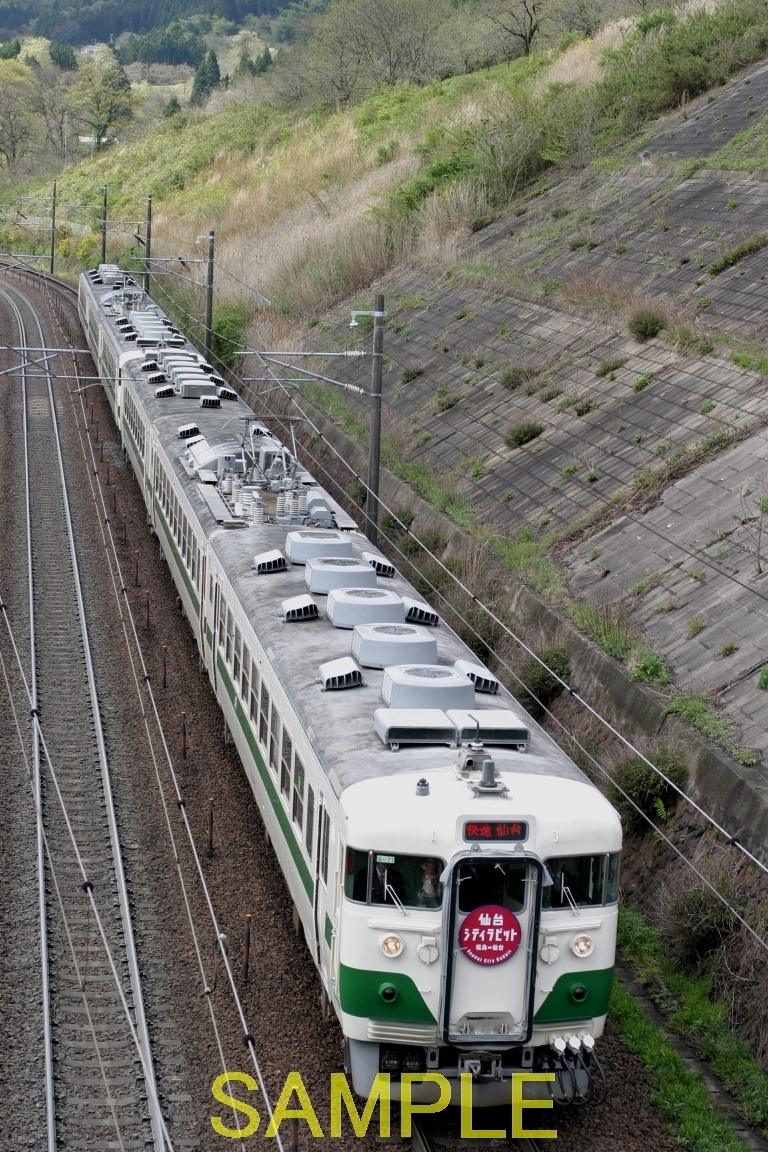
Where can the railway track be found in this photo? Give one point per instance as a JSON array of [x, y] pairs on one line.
[[100, 1091], [423, 1141]]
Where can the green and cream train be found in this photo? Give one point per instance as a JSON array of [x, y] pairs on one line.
[[454, 874]]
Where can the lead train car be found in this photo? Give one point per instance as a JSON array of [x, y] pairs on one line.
[[454, 874]]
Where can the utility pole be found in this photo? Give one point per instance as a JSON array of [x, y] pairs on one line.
[[374, 443], [104, 224], [66, 132], [53, 225], [209, 298], [148, 244]]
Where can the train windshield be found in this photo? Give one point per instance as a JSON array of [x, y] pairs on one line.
[[392, 878], [582, 880], [492, 882]]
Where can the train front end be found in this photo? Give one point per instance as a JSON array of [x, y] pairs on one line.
[[477, 927]]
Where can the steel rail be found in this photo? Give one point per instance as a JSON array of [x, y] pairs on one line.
[[129, 944]]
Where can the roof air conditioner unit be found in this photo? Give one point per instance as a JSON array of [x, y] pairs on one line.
[[382, 566], [193, 391], [419, 613], [426, 686], [210, 402], [302, 545], [343, 673], [129, 334], [269, 562], [324, 573], [190, 444], [149, 366], [164, 391], [184, 431], [225, 393], [299, 608], [483, 680], [347, 607], [157, 378], [396, 726], [496, 726], [380, 645]]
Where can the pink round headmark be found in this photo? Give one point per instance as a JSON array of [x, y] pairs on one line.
[[490, 935]]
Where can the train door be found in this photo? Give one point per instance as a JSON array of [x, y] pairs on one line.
[[325, 920], [490, 937]]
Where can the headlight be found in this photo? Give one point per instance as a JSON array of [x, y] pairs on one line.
[[583, 946], [391, 945]]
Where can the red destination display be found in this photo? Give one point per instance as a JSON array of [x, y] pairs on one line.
[[490, 935], [495, 830]]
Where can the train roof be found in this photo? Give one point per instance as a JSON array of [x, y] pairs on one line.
[[339, 724]]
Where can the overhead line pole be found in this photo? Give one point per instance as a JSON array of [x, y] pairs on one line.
[[53, 226], [148, 244], [104, 224], [209, 298], [374, 443]]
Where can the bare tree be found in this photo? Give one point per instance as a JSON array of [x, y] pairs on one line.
[[16, 123], [752, 519], [51, 97], [518, 22]]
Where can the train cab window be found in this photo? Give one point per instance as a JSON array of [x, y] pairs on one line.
[[285, 765], [391, 878], [246, 670], [236, 657], [297, 808], [580, 881], [254, 710], [264, 718], [274, 739], [230, 636], [492, 882], [310, 826]]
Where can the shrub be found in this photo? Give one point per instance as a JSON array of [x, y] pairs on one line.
[[539, 685], [230, 324], [729, 648], [514, 376], [445, 399], [707, 407], [518, 434], [703, 302], [551, 393], [409, 374], [583, 407], [477, 223], [646, 787], [642, 381], [748, 248], [646, 323], [559, 213], [694, 626], [607, 367]]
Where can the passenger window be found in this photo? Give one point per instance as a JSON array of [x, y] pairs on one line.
[[254, 694], [274, 739], [393, 878], [310, 828], [492, 882], [246, 670], [264, 718], [285, 765], [298, 792], [222, 619], [581, 881], [324, 830], [236, 658], [230, 635]]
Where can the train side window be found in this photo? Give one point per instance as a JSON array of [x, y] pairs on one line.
[[285, 765], [324, 833], [254, 695], [236, 657], [222, 618], [298, 793], [184, 539], [579, 881], [210, 588], [274, 738], [230, 634], [264, 718], [310, 828], [246, 670]]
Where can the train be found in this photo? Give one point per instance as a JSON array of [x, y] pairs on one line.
[[455, 876]]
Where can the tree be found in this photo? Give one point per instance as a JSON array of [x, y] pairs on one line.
[[171, 108], [16, 125], [51, 99], [207, 77], [518, 22], [10, 50], [63, 56], [102, 97]]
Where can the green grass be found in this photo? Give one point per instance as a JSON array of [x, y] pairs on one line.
[[696, 1015], [748, 248], [719, 727], [642, 381]]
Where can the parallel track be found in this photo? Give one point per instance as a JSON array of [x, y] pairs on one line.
[[96, 1093], [421, 1141]]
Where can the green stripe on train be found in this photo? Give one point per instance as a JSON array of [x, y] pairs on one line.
[[266, 779], [577, 995], [359, 995]]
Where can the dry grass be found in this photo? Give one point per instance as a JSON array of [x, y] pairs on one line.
[[580, 64]]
